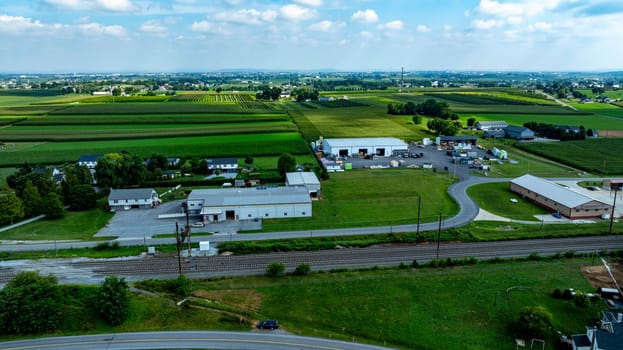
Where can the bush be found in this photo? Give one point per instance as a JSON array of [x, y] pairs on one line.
[[302, 269], [112, 300], [275, 269], [557, 293], [581, 300], [569, 254], [179, 286], [106, 246], [534, 322], [415, 264]]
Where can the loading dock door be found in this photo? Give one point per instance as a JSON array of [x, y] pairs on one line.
[[380, 152], [343, 153], [230, 215]]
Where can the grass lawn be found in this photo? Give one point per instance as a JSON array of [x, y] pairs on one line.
[[76, 225], [495, 198], [450, 308], [4, 172], [375, 198], [601, 109]]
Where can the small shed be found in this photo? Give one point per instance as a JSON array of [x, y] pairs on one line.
[[306, 179]]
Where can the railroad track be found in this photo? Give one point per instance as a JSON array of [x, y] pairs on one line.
[[164, 266]]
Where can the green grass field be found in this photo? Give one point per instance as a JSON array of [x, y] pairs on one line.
[[269, 144], [450, 308], [601, 109], [600, 156], [375, 198], [495, 198], [599, 122]]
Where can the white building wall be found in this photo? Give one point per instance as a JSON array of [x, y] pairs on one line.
[[264, 211]]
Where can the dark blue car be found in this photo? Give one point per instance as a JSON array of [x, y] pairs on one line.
[[268, 324]]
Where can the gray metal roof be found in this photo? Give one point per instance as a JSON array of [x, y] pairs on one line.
[[366, 142], [222, 161], [301, 178], [553, 191], [130, 193], [223, 197]]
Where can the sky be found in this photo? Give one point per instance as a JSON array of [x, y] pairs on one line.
[[65, 36]]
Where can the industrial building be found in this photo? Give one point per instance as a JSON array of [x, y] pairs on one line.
[[216, 205], [133, 198], [491, 125], [306, 179], [361, 147], [559, 199]]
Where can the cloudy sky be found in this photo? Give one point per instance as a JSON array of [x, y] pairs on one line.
[[203, 35]]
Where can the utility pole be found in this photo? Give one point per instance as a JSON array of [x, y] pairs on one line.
[[402, 78], [419, 209], [438, 236], [179, 242], [616, 189]]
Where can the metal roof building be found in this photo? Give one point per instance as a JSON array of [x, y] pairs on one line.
[[379, 146], [306, 179], [552, 196], [488, 125], [215, 205]]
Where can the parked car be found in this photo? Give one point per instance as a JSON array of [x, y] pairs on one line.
[[197, 224], [268, 324], [557, 215]]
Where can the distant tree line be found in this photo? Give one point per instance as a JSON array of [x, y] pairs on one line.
[[444, 122], [561, 133]]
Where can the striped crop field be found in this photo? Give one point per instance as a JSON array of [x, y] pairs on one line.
[[240, 145]]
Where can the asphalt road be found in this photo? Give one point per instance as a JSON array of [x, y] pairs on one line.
[[187, 340]]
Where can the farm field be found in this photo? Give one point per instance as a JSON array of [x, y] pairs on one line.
[[193, 146], [614, 94], [375, 198], [448, 308], [601, 109], [117, 119], [600, 156], [598, 122]]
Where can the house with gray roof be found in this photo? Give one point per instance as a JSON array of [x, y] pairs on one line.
[[224, 165], [552, 196], [609, 335], [216, 205], [133, 198]]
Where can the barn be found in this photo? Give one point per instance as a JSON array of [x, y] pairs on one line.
[[554, 197], [360, 147], [216, 205]]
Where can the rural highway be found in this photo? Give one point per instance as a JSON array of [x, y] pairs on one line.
[[187, 340]]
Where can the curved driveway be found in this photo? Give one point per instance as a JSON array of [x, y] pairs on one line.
[[187, 340]]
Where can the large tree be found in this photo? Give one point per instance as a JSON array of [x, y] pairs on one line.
[[29, 303], [112, 300], [52, 206], [286, 163], [82, 197], [534, 322], [118, 170], [33, 203], [11, 208]]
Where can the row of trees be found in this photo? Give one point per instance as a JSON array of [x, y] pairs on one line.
[[31, 303], [556, 132]]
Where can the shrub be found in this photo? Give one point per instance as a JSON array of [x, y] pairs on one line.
[[179, 286], [302, 269], [112, 300], [567, 294], [557, 293], [275, 269], [581, 300], [534, 322], [569, 254], [415, 264]]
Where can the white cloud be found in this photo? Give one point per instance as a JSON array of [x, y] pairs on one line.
[[326, 26], [203, 27], [514, 20], [91, 5], [447, 28], [297, 13], [250, 16], [422, 28], [153, 27], [309, 2], [493, 7], [100, 29], [392, 25], [540, 27], [15, 24], [487, 24], [366, 16]]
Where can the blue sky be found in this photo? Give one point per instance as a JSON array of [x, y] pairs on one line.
[[203, 35]]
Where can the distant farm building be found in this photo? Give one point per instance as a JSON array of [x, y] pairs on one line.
[[89, 160], [309, 180], [519, 132], [491, 125], [457, 142], [224, 165], [353, 147], [216, 205], [554, 197], [133, 198], [613, 184]]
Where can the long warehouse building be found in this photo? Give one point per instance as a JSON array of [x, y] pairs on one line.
[[353, 147]]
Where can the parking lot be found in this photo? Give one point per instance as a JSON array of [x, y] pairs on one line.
[[144, 223]]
